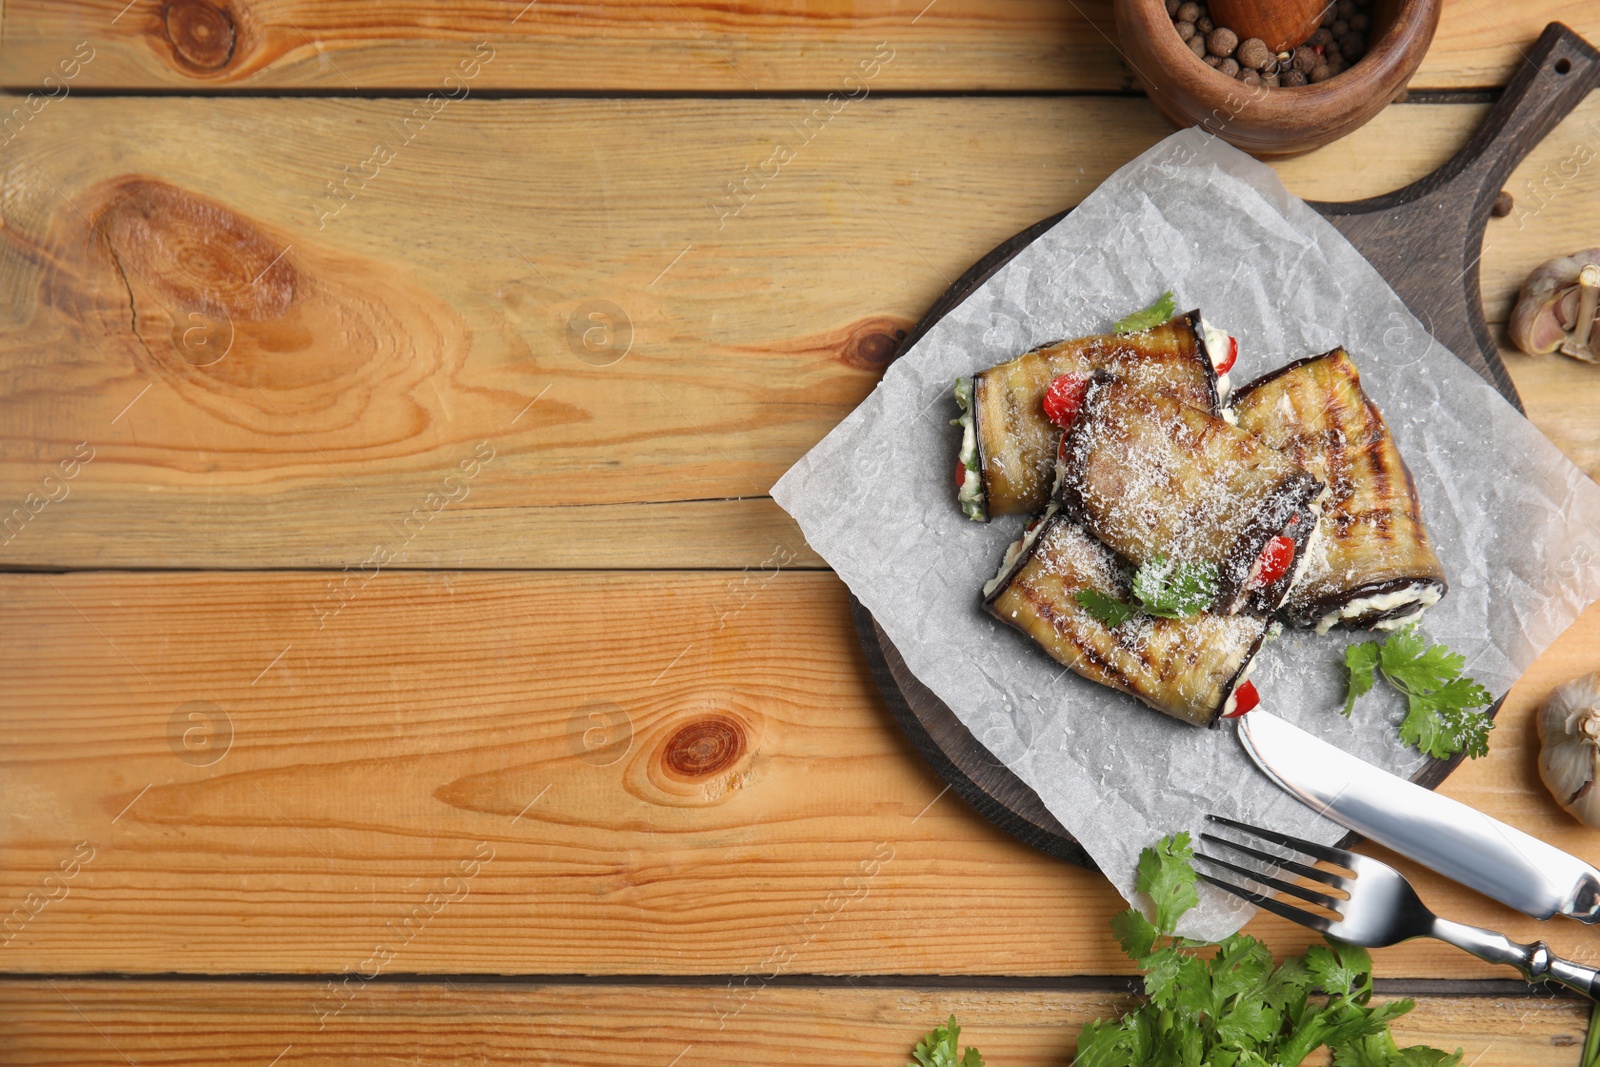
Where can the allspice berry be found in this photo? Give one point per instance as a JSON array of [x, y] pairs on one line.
[[1291, 78], [1230, 67], [1213, 62], [1197, 45], [1345, 8], [1254, 54], [1320, 73], [1185, 30], [1172, 7], [1321, 39], [1305, 59], [1204, 24], [1222, 41], [1352, 46], [1249, 77], [1270, 80], [1360, 22], [1339, 28], [1188, 11]]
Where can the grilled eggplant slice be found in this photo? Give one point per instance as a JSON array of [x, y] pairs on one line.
[[1153, 478], [1009, 446], [1186, 668], [1372, 565]]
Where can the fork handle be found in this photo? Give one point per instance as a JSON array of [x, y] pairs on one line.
[[1536, 962]]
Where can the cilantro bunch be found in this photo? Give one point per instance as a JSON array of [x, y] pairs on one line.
[[1439, 698], [1163, 587], [1236, 1009]]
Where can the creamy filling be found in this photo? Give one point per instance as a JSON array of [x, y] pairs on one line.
[[1424, 596], [1015, 550], [970, 495], [1218, 344]]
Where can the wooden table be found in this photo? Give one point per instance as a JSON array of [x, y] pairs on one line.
[[414, 666]]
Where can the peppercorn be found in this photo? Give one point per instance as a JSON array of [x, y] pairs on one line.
[[1352, 46], [1503, 203], [1197, 45], [1320, 73], [1230, 67], [1291, 78], [1188, 11], [1204, 24], [1253, 53], [1185, 30], [1222, 41]]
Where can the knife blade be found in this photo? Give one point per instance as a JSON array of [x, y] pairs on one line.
[[1444, 835]]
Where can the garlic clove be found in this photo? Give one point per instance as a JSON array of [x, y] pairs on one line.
[[1569, 753], [1557, 308]]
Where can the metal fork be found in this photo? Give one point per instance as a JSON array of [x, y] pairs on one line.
[[1379, 907]]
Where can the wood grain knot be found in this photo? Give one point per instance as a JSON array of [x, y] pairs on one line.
[[202, 35], [871, 344], [706, 746], [196, 252]]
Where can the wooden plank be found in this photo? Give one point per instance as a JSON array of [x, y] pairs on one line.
[[653, 45], [705, 788], [440, 314], [251, 1023]]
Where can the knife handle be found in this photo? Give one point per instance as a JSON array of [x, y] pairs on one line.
[[1536, 962]]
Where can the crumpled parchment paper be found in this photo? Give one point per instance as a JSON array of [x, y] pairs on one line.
[[1515, 523]]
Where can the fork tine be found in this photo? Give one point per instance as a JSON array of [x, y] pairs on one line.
[[1310, 895], [1310, 848], [1277, 907], [1325, 877]]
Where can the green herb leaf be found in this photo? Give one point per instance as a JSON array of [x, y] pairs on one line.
[[1166, 877], [938, 1049], [1380, 1050], [1150, 317], [1339, 969], [1106, 609], [1415, 666], [1442, 723], [1134, 933], [1362, 663], [1175, 590]]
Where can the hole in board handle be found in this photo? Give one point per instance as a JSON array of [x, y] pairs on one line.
[[1563, 65]]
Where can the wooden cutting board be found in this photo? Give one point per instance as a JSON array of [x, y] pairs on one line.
[[1425, 239]]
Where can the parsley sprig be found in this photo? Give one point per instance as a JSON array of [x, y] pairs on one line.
[[1150, 317], [938, 1049], [1236, 1009], [1439, 698], [1162, 587]]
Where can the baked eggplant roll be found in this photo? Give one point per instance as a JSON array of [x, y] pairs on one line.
[[1372, 565], [1008, 443], [1187, 668], [1154, 478]]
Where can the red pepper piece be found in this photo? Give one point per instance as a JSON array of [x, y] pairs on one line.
[[1231, 358], [961, 474], [1274, 561], [1064, 397], [1245, 698]]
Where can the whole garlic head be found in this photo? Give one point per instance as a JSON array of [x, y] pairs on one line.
[[1569, 759]]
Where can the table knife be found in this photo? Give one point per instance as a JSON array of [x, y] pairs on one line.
[[1444, 835]]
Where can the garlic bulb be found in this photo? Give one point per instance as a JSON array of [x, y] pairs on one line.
[[1569, 759], [1555, 312]]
